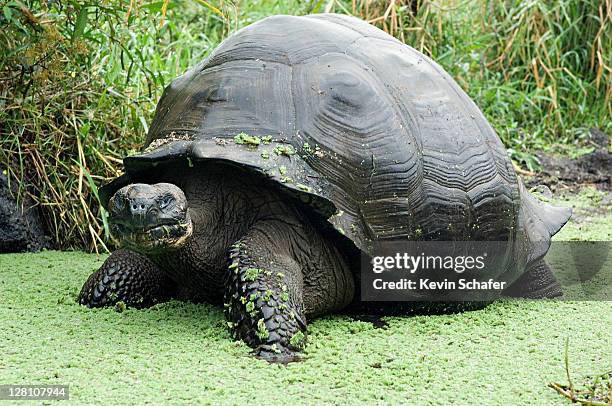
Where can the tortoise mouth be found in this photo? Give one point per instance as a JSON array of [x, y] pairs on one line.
[[154, 237]]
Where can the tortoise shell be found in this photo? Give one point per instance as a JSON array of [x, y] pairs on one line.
[[374, 135]]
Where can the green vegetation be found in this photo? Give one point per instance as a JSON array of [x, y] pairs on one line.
[[79, 81], [262, 331], [298, 340], [504, 354], [251, 274], [244, 138], [286, 150]]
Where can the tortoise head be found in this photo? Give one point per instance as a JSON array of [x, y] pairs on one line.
[[150, 218]]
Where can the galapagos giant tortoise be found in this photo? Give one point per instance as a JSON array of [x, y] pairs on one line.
[[281, 157]]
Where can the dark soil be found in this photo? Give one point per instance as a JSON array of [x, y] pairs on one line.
[[566, 174]]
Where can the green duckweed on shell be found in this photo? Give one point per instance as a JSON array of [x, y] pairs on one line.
[[285, 149], [245, 139]]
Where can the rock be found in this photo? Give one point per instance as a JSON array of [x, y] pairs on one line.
[[597, 163], [544, 191], [21, 226], [599, 138]]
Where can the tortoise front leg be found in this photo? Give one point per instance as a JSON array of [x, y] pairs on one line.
[[127, 277], [263, 297]]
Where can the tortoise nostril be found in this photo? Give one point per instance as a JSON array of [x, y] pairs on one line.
[[139, 207]]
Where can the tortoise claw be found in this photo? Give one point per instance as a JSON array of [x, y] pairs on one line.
[[273, 355]]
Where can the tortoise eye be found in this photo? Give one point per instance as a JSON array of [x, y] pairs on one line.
[[166, 201]]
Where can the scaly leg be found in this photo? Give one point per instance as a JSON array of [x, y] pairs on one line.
[[128, 277]]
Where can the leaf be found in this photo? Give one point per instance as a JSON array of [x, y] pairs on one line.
[[8, 13], [156, 6], [81, 23], [316, 7], [531, 161], [144, 124], [153, 7]]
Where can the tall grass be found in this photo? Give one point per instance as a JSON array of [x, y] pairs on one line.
[[79, 80]]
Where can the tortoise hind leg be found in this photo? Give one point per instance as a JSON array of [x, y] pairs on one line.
[[537, 283], [128, 277]]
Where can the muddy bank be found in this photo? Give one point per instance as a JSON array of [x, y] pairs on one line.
[[567, 174]]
